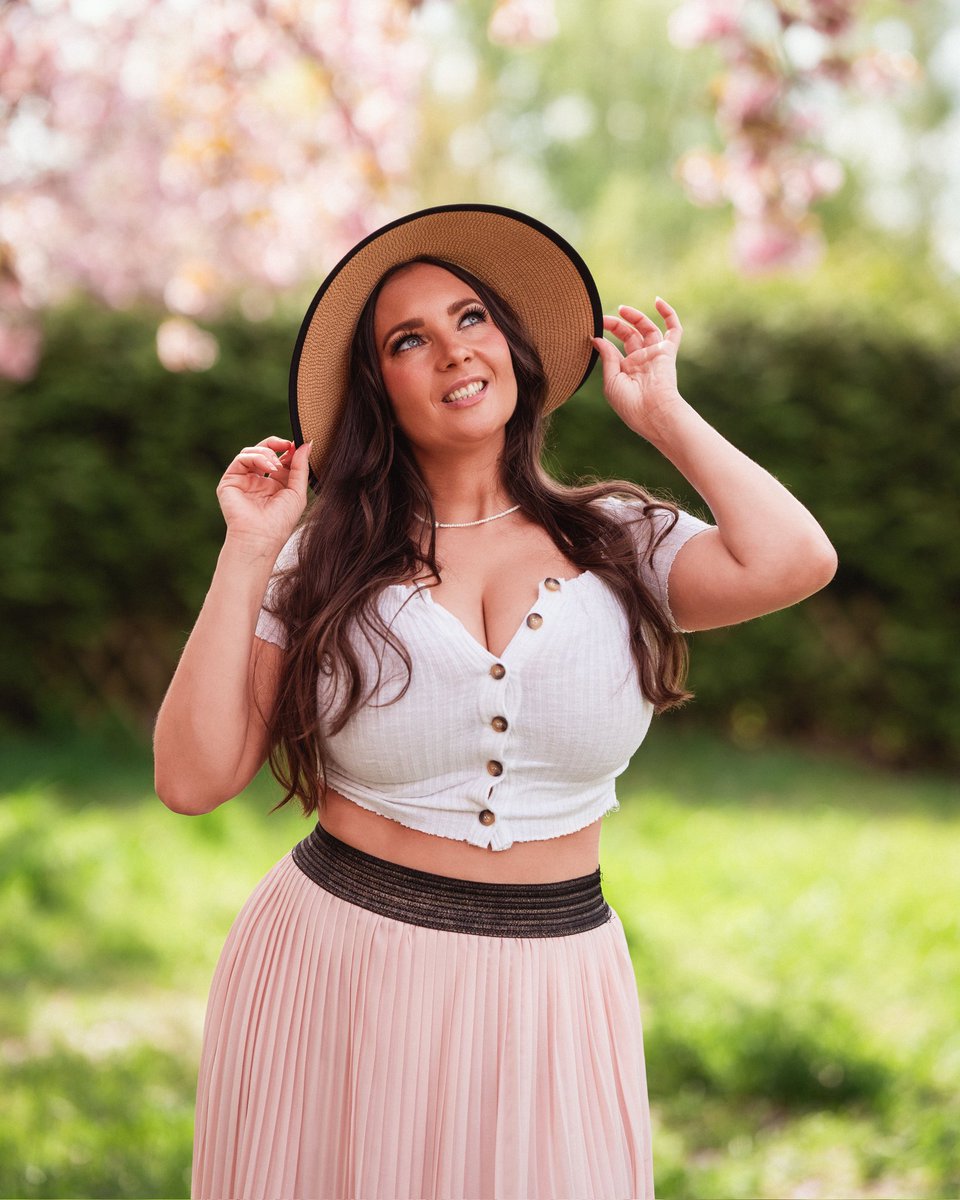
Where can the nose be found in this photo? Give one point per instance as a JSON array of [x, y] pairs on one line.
[[452, 351]]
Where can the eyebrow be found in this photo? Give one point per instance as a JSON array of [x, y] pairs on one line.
[[417, 322]]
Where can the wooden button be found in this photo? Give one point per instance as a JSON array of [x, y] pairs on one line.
[[494, 768], [498, 670], [487, 817], [534, 620], [552, 585], [499, 724]]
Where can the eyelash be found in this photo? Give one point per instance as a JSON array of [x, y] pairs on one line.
[[476, 310]]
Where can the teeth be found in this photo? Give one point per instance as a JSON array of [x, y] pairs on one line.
[[465, 392]]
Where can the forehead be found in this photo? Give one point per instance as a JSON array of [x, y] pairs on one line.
[[418, 284]]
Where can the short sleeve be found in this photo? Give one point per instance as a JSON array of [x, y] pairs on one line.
[[655, 563], [269, 627]]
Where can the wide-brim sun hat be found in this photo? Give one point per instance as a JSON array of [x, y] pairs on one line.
[[538, 273]]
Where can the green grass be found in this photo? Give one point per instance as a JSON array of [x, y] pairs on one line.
[[793, 922]]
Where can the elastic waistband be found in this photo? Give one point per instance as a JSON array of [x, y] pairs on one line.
[[456, 905]]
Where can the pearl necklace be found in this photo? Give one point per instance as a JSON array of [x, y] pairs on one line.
[[469, 524]]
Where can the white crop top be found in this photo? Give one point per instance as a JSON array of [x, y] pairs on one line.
[[492, 750]]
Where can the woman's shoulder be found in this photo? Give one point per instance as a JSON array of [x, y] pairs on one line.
[[654, 522]]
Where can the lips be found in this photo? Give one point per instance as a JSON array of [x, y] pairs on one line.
[[465, 391]]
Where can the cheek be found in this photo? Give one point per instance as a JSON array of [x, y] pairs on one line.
[[405, 397], [396, 383], [496, 347]]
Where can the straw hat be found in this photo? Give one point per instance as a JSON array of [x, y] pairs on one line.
[[538, 273]]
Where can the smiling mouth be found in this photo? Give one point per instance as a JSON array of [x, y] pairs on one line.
[[465, 393]]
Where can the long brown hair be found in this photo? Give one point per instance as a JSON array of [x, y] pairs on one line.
[[356, 540]]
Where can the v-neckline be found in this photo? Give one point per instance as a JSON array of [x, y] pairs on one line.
[[542, 592]]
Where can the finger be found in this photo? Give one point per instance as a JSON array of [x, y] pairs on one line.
[[640, 320], [670, 319], [263, 462], [274, 449], [279, 454], [623, 330], [610, 360], [278, 444], [648, 329], [300, 469]]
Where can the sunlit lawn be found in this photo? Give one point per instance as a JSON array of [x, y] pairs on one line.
[[793, 922]]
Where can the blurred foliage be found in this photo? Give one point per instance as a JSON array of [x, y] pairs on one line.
[[73, 1128], [109, 547]]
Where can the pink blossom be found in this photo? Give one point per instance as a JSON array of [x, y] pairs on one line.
[[748, 96], [808, 178], [770, 169], [183, 346], [881, 72], [832, 17], [19, 350], [523, 22], [764, 245], [702, 176], [751, 183], [698, 21]]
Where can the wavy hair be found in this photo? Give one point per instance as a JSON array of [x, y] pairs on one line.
[[355, 540]]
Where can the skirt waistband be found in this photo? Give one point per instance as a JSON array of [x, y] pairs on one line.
[[442, 902]]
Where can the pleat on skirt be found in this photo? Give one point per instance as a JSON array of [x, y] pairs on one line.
[[353, 1049]]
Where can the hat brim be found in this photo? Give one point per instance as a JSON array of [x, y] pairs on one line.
[[536, 271]]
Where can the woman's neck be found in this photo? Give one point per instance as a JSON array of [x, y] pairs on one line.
[[467, 488]]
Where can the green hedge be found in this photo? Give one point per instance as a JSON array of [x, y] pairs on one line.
[[111, 521], [111, 525]]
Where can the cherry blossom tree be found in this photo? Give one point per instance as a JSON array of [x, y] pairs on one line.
[[194, 154], [784, 61], [782, 66], [185, 153]]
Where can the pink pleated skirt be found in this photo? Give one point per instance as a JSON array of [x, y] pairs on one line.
[[364, 1041]]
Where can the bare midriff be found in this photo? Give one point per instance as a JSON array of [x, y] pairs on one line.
[[568, 857]]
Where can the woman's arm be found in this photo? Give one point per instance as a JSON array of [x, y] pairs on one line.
[[768, 551], [210, 735]]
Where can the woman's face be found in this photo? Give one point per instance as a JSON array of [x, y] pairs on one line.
[[446, 366]]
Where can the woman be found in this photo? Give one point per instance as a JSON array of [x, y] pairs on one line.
[[449, 662]]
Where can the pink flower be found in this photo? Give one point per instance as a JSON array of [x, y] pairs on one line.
[[183, 346], [700, 21], [767, 244], [19, 350], [807, 178], [748, 97], [702, 176], [523, 23], [832, 17], [881, 72]]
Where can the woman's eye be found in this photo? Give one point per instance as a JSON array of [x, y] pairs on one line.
[[404, 342], [408, 341]]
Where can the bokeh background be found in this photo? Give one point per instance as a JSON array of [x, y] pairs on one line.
[[175, 181]]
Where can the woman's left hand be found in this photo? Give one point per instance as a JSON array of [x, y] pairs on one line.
[[642, 381]]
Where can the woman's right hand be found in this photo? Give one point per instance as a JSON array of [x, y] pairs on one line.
[[263, 492]]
